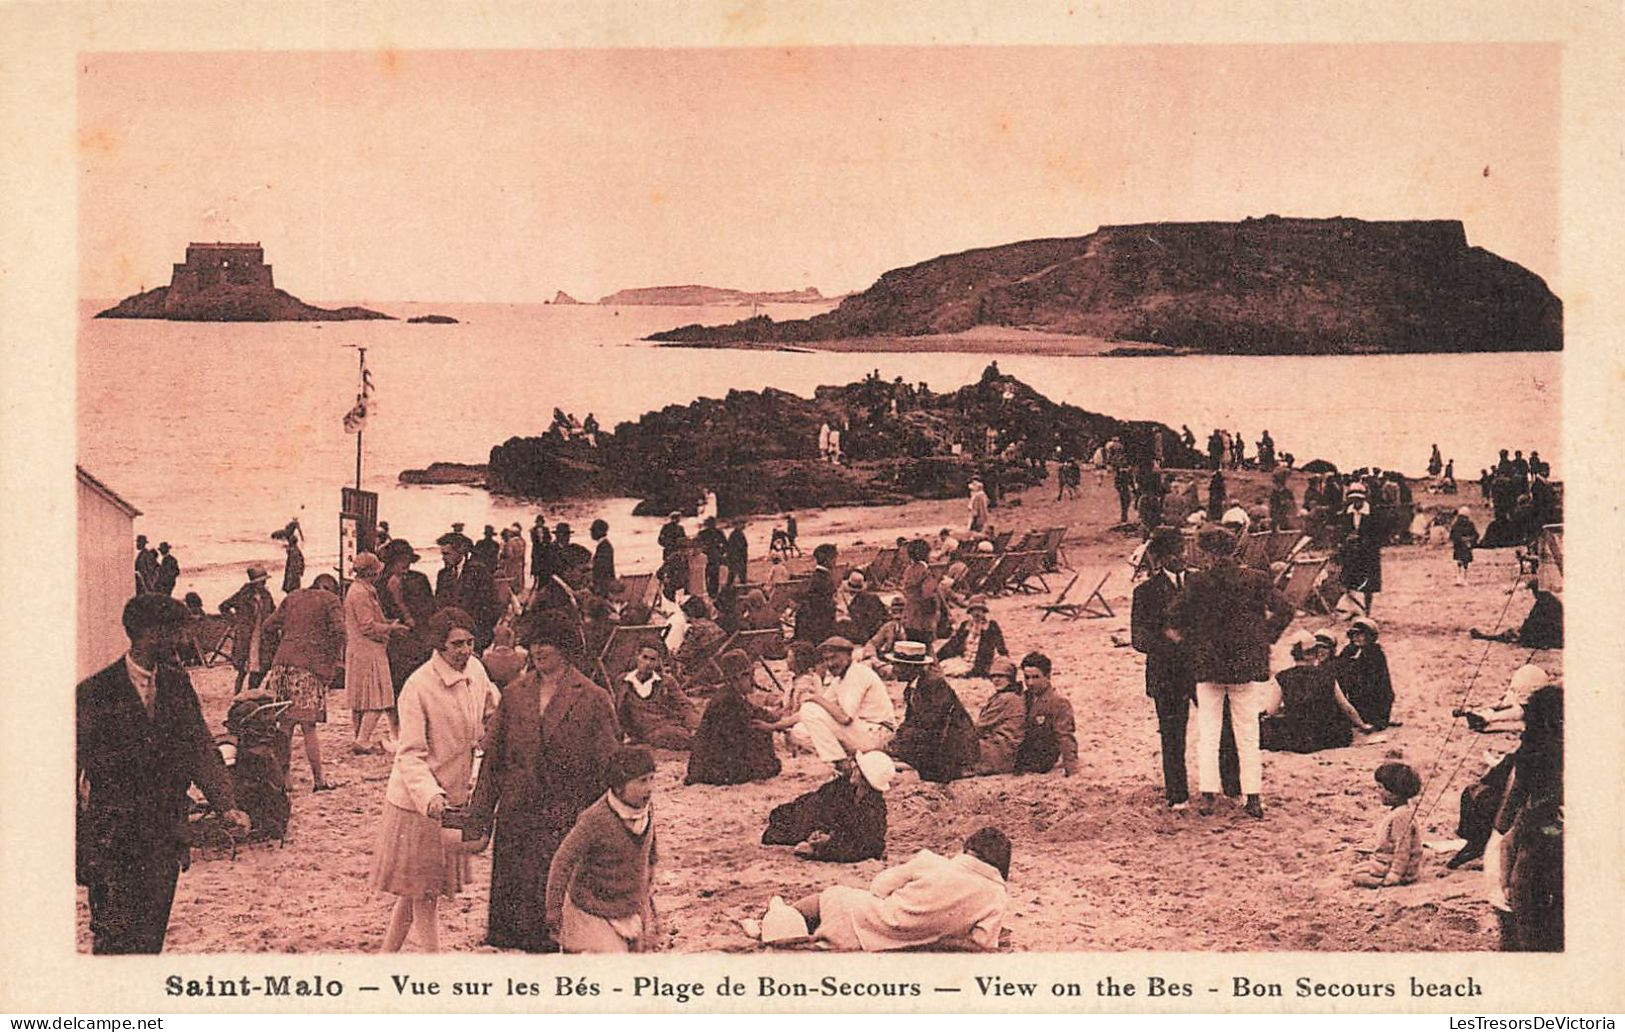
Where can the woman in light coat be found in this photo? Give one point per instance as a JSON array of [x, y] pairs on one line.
[[366, 652]]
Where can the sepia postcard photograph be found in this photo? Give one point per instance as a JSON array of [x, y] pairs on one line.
[[796, 495]]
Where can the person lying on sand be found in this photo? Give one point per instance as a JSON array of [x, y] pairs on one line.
[[930, 899], [1541, 629], [843, 820]]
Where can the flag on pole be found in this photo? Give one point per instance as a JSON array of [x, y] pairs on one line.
[[355, 420]]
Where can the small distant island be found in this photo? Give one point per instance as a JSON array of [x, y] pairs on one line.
[[1264, 286], [435, 320], [697, 295], [222, 282], [561, 298], [759, 450]]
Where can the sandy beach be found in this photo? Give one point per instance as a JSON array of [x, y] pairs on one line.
[[1100, 864]]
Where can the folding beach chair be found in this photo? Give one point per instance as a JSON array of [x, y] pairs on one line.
[[788, 593], [211, 638], [883, 567], [1303, 589], [1001, 540], [1030, 540], [763, 644], [1094, 604], [1285, 545], [1254, 552], [1030, 567], [997, 580], [977, 567], [620, 652], [1054, 558], [635, 588]]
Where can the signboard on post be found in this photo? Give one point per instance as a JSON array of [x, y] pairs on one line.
[[358, 526]]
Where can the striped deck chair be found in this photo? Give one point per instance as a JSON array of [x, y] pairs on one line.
[[1030, 567], [1094, 604], [1303, 590], [620, 652]]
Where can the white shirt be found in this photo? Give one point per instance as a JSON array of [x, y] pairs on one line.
[[144, 680], [862, 694], [643, 689]]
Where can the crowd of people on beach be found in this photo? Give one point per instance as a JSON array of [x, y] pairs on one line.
[[528, 693]]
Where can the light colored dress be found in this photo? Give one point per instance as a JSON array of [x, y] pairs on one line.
[[366, 653]]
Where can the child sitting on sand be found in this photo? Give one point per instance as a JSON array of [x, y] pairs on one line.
[[1396, 853]]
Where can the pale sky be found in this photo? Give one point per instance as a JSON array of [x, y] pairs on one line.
[[509, 175]]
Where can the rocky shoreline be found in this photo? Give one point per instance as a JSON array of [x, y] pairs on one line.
[[760, 451]]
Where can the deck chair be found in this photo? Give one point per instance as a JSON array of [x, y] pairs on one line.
[[210, 638], [1001, 540], [635, 588], [1302, 587], [787, 593], [765, 644], [1254, 552], [1286, 544], [977, 567], [1094, 604], [883, 567], [620, 652], [1030, 540], [1054, 558], [1030, 567], [997, 580]]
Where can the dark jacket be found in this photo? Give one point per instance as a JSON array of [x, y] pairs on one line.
[[1228, 616], [309, 625], [541, 769], [250, 605], [726, 749], [815, 615], [1311, 719], [1363, 673], [1168, 673], [856, 827], [937, 737], [1543, 627], [1049, 734], [139, 768], [992, 644], [471, 589], [867, 613], [603, 568]]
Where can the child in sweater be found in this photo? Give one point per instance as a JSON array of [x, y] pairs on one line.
[[1396, 853], [598, 887], [1463, 539]]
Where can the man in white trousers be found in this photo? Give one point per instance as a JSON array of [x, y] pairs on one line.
[[1227, 617], [851, 714]]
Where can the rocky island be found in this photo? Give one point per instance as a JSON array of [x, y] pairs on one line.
[[227, 283], [760, 450], [695, 295], [1261, 286]]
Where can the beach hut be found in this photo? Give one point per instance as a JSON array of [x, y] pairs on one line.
[[106, 572]]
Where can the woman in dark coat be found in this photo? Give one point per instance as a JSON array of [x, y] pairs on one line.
[[937, 737], [815, 614], [1525, 853], [545, 752], [249, 608], [1361, 554], [1362, 670], [1315, 714], [842, 821], [405, 595], [734, 743]]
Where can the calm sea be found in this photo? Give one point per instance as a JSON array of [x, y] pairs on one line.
[[221, 432]]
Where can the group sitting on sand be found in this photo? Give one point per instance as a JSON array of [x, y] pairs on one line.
[[524, 716]]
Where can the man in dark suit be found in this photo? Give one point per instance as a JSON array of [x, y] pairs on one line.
[[141, 743], [467, 584], [1227, 617], [1169, 680]]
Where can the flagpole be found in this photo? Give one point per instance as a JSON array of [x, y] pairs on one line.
[[363, 371]]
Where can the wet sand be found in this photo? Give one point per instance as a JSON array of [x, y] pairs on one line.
[[1100, 864]]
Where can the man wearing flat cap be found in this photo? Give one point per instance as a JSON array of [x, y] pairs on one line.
[[141, 743], [1227, 616], [852, 714]]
